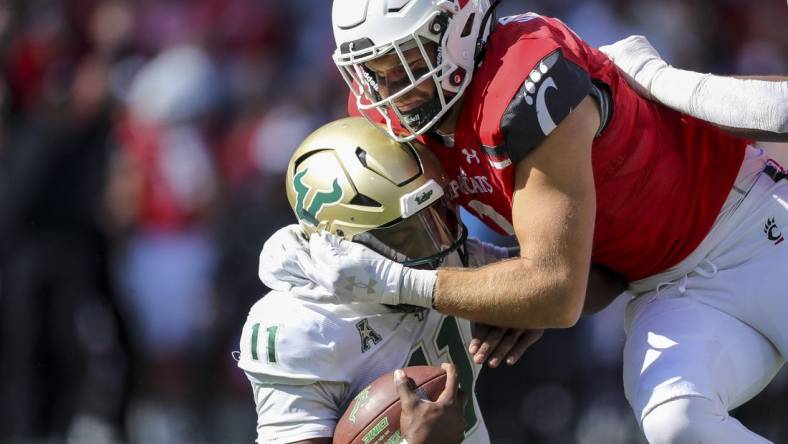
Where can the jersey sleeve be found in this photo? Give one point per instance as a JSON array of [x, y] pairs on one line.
[[547, 94], [533, 75], [284, 341], [292, 413]]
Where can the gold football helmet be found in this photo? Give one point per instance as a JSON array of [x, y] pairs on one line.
[[352, 180]]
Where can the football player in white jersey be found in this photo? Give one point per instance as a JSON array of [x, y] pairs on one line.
[[306, 360]]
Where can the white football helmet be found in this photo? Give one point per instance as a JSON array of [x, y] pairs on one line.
[[365, 30]]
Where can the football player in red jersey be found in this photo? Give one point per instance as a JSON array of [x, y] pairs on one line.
[[545, 139]]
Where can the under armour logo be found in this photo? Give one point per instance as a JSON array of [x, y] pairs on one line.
[[470, 155], [367, 334], [773, 232], [351, 285]]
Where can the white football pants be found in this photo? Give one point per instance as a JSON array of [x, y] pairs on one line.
[[711, 333]]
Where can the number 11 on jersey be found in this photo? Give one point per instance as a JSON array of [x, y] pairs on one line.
[[449, 340], [270, 343]]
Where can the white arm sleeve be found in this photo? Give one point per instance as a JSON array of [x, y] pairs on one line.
[[292, 413], [736, 103], [726, 101]]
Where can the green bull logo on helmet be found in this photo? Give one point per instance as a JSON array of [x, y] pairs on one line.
[[320, 199]]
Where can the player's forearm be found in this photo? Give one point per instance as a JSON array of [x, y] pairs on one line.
[[753, 134], [513, 293], [754, 107], [750, 107]]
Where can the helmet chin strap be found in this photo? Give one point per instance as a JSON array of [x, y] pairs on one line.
[[423, 114]]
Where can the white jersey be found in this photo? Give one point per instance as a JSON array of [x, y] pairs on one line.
[[307, 360]]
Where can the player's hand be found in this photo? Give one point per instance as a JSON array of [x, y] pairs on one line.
[[639, 61], [354, 273], [280, 264], [498, 344], [424, 421], [279, 268]]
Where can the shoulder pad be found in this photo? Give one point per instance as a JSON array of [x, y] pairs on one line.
[[550, 91], [288, 340], [285, 341]]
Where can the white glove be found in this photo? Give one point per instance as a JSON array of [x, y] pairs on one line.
[[482, 253], [355, 273], [280, 260], [638, 59], [278, 268]]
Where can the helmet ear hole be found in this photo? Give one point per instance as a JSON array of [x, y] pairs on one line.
[[466, 30], [365, 201], [362, 156], [457, 77]]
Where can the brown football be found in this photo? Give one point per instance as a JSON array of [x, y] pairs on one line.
[[373, 415]]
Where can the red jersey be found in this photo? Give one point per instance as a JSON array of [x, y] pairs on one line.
[[661, 177]]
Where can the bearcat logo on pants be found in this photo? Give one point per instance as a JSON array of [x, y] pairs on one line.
[[773, 232]]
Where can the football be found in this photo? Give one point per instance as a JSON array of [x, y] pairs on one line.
[[373, 415]]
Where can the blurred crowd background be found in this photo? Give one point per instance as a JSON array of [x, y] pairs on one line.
[[142, 151]]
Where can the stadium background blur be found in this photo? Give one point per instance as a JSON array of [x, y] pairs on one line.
[[142, 150]]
